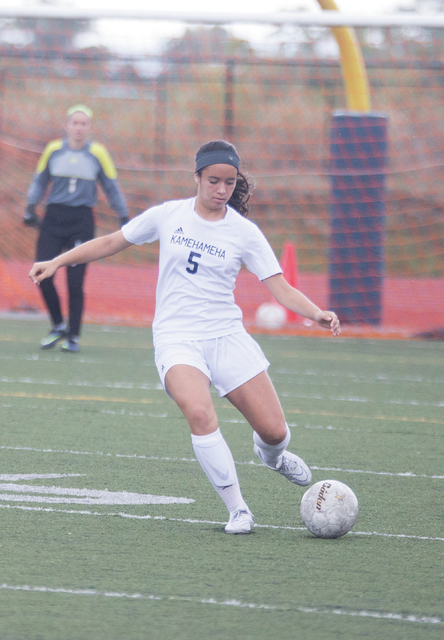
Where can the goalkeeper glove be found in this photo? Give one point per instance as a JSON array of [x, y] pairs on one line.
[[31, 219]]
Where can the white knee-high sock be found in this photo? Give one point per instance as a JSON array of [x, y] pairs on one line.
[[271, 454], [216, 460]]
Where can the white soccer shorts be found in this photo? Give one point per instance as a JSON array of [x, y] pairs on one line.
[[228, 362]]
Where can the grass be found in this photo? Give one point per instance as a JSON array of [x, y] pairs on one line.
[[77, 565]]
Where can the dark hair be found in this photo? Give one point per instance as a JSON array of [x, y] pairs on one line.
[[244, 185]]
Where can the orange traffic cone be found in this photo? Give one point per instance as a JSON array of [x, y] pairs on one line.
[[289, 265]]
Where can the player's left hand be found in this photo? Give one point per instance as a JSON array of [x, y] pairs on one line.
[[329, 320], [123, 220]]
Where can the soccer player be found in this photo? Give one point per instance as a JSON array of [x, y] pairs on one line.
[[198, 334], [73, 166]]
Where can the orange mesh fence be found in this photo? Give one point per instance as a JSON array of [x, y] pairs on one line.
[[275, 102], [125, 295]]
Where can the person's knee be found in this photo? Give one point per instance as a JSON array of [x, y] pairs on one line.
[[76, 293], [75, 288], [200, 415], [202, 420], [47, 285]]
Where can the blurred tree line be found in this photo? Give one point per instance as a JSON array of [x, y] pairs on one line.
[[47, 42]]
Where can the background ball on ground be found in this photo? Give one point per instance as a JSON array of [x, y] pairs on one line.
[[329, 509], [271, 315]]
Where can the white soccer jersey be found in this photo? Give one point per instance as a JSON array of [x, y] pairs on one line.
[[198, 265]]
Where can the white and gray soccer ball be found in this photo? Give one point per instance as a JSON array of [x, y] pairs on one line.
[[329, 509], [271, 315]]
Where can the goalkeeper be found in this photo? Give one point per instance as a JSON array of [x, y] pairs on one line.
[[72, 166]]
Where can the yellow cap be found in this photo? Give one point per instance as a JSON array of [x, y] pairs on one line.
[[80, 107]]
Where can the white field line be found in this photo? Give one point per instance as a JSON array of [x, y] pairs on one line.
[[377, 615], [406, 474], [158, 386], [211, 522], [379, 378], [396, 401]]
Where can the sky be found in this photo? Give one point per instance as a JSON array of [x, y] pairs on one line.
[[140, 37], [228, 6]]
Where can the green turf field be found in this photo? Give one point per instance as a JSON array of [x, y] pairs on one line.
[[90, 439]]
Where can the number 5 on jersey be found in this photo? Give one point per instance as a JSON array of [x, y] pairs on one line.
[[195, 265]]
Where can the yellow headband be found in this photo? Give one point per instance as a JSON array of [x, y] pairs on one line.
[[80, 107]]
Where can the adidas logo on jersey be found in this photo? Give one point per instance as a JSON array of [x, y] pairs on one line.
[[179, 231]]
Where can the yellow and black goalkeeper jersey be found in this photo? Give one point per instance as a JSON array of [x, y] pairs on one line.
[[74, 174]]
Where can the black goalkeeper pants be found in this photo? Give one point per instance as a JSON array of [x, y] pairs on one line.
[[63, 228]]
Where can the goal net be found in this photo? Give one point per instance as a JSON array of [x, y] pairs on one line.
[[161, 88]]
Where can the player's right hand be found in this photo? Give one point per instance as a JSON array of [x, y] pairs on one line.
[[31, 219], [42, 270]]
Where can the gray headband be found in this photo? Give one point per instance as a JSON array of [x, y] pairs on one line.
[[220, 156]]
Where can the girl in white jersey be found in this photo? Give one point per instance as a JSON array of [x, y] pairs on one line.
[[198, 334]]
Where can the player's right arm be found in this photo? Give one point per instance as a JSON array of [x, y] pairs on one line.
[[42, 175], [39, 183], [93, 250]]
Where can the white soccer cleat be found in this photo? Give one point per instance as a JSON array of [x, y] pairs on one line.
[[241, 521], [294, 469], [291, 467]]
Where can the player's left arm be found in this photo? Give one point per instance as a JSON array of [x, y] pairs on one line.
[[293, 300], [108, 179]]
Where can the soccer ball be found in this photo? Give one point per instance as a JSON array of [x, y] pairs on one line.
[[329, 509], [271, 315]]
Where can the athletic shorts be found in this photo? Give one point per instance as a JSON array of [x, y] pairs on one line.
[[228, 362]]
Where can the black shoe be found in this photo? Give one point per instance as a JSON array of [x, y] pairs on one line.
[[52, 338], [71, 345]]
